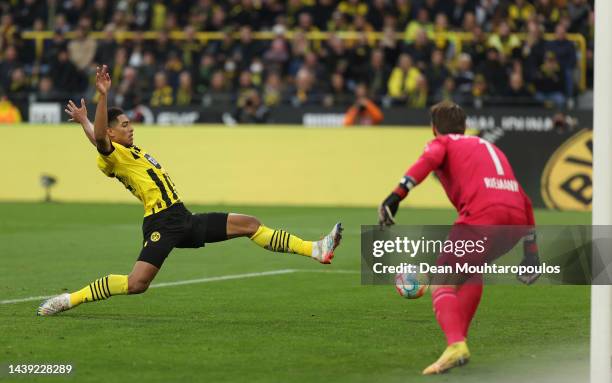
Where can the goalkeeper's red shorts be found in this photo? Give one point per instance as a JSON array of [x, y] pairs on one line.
[[494, 231]]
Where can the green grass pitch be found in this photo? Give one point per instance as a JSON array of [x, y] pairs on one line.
[[299, 327]]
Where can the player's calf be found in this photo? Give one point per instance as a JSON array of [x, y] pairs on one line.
[[283, 242]]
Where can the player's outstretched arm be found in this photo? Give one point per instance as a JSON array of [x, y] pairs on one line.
[[80, 115], [103, 84], [431, 159]]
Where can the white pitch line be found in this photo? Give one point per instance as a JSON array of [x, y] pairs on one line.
[[224, 278], [205, 280]]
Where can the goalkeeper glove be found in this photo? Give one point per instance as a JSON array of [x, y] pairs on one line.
[[387, 210], [530, 258]]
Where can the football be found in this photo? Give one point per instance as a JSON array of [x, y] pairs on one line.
[[411, 285]]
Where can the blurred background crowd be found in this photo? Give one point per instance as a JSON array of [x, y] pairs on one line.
[[257, 54]]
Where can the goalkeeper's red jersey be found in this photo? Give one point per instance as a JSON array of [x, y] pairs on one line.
[[475, 174]]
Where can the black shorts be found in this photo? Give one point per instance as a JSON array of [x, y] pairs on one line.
[[178, 227]]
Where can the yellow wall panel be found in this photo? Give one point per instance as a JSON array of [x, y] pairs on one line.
[[210, 165]]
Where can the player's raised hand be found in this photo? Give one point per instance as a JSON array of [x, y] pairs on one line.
[[77, 114], [103, 80]]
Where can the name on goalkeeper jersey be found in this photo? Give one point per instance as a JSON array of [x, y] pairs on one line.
[[501, 184]]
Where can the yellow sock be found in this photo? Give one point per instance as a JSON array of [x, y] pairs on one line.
[[101, 288], [281, 241]]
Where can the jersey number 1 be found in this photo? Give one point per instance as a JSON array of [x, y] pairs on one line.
[[498, 166]]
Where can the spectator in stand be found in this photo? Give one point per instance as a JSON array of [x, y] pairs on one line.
[[459, 10], [127, 95], [337, 95], [245, 85], [517, 93], [578, 12], [520, 12], [565, 52], [418, 97], [18, 90], [390, 47], [335, 54], [277, 56], [119, 63], [173, 68], [480, 92], [401, 12], [306, 25], [420, 49], [185, 94], [477, 47], [377, 74], [549, 82], [66, 75], [403, 79], [137, 49], [245, 13], [469, 22], [506, 43], [203, 73], [304, 93], [376, 14], [273, 90], [252, 110], [533, 50], [162, 46], [46, 92], [218, 93], [436, 74], [217, 21], [8, 63], [364, 111], [464, 79], [146, 72], [494, 72], [422, 21], [548, 14], [248, 48], [162, 92], [82, 49], [190, 48], [352, 8], [107, 46]]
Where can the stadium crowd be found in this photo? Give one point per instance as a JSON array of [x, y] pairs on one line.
[[415, 61]]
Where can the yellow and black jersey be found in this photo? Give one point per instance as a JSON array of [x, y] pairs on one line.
[[142, 175]]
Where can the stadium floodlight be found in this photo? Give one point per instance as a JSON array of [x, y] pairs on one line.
[[601, 296]]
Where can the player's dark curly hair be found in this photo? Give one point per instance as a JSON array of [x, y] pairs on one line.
[[448, 118], [112, 114]]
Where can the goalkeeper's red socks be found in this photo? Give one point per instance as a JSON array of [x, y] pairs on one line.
[[469, 297], [449, 314]]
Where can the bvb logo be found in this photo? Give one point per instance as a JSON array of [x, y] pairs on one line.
[[155, 236], [567, 180]]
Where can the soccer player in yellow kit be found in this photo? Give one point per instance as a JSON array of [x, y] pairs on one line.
[[167, 223]]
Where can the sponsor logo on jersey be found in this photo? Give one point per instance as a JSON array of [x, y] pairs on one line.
[[155, 236], [567, 180], [153, 161]]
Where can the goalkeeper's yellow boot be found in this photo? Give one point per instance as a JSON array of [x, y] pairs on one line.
[[455, 355]]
